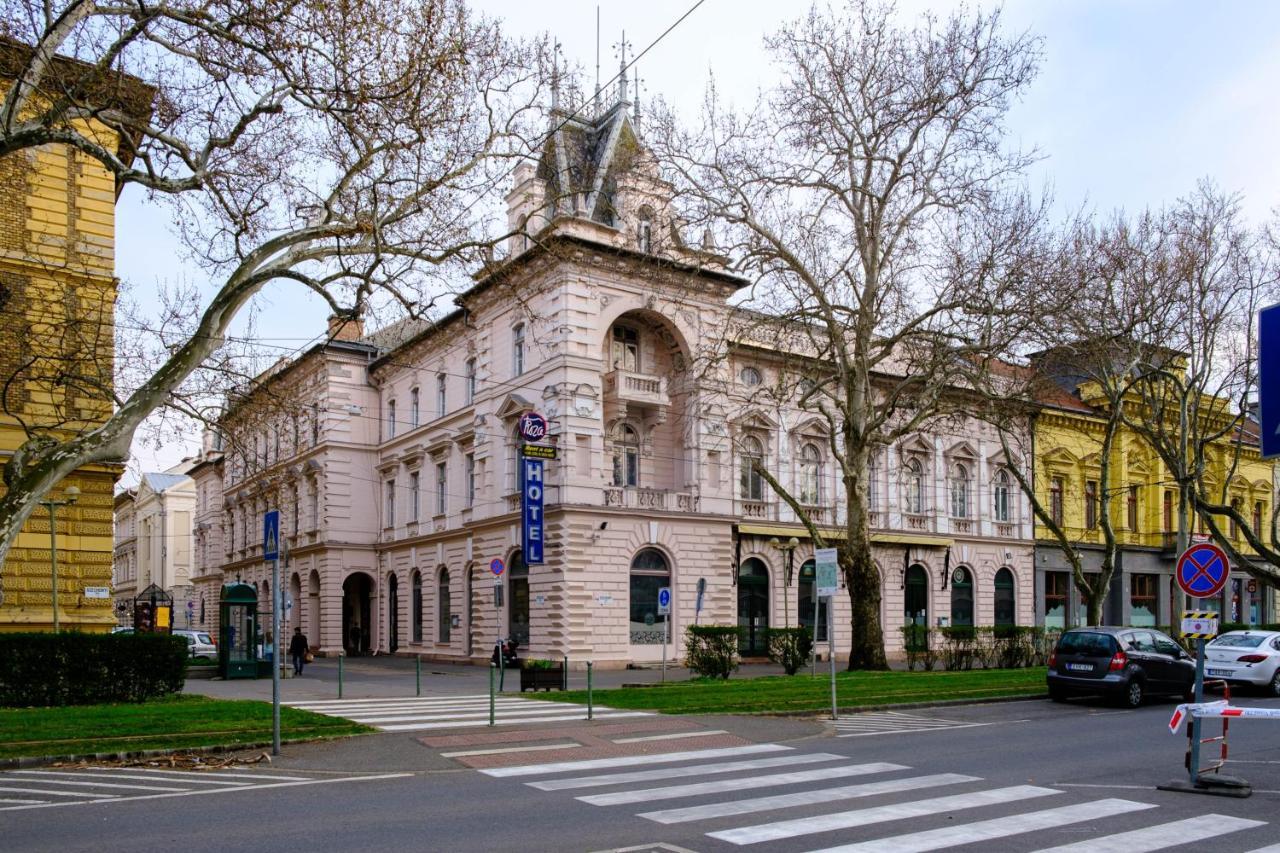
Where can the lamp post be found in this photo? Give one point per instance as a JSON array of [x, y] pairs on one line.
[[788, 548], [71, 495]]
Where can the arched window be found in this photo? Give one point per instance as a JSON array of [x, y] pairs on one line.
[[959, 490], [524, 232], [649, 573], [810, 491], [444, 607], [962, 598], [915, 487], [644, 231], [1000, 496], [626, 456], [517, 349], [416, 605], [1004, 598], [808, 577], [752, 461]]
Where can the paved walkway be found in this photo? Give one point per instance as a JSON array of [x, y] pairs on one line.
[[390, 676]]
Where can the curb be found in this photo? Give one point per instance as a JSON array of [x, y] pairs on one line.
[[938, 703], [25, 761]]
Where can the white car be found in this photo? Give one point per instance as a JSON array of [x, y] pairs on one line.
[[1245, 657]]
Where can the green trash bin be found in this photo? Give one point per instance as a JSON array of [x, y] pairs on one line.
[[238, 620]]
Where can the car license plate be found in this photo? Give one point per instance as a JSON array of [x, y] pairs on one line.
[[1219, 672], [1080, 667]]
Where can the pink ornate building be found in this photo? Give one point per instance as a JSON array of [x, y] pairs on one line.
[[393, 456]]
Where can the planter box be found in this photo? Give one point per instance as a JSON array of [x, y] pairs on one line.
[[542, 679]]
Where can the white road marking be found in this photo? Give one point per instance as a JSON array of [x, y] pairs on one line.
[[202, 779], [375, 719], [79, 794], [1001, 827], [739, 783], [6, 800], [1161, 836], [49, 780], [805, 798], [671, 736], [221, 774], [508, 721], [879, 814], [326, 702], [503, 750], [198, 793], [896, 722], [1270, 848], [633, 760], [682, 771]]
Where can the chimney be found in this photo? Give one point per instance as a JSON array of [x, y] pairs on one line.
[[348, 328]]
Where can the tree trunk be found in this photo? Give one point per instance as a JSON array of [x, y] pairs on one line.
[[866, 642]]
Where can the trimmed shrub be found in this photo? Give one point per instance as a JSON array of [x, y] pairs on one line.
[[39, 669], [789, 647], [711, 650]]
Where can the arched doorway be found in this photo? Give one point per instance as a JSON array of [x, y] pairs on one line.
[[916, 607], [393, 613], [313, 608], [753, 608], [518, 600], [962, 597], [357, 613], [293, 609], [1004, 603]]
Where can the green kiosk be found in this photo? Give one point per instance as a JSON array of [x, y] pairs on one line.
[[238, 621]]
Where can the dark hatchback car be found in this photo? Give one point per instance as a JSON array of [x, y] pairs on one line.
[[1126, 664]]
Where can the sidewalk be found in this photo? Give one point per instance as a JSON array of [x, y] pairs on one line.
[[390, 676]]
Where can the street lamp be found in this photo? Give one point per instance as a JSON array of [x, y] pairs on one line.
[[789, 549], [72, 494]]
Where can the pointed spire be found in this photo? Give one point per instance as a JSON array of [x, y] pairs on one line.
[[555, 78], [622, 68], [635, 113]]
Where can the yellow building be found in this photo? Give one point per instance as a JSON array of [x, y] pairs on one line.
[[1068, 438], [57, 298]]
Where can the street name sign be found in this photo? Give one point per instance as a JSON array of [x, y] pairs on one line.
[[97, 592], [1202, 570]]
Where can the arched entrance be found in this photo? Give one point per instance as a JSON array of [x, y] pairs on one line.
[[293, 608], [753, 608], [1004, 602], [393, 613], [962, 598], [313, 609], [357, 613], [916, 607], [518, 599]]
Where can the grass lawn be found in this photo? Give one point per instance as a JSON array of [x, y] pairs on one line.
[[802, 692], [176, 722]]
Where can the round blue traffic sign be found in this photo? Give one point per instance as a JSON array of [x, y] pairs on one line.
[[1202, 570], [497, 566], [664, 597]]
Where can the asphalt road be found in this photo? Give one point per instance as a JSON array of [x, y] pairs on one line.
[[1014, 776]]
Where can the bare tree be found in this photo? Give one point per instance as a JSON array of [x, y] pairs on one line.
[[347, 148], [871, 196], [1194, 403]]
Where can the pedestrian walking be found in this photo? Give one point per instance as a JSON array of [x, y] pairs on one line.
[[298, 650]]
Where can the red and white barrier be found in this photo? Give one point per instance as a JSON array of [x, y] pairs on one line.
[[1221, 708]]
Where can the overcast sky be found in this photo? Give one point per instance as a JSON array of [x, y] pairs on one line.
[[1135, 102]]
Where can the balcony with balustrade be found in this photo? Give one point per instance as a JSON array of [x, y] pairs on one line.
[[635, 389]]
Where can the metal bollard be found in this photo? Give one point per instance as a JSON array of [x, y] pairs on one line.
[[492, 666], [417, 672], [341, 656], [564, 684], [590, 710]]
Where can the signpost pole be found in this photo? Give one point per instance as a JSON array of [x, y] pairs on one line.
[[814, 651], [1193, 766], [831, 655], [275, 656], [1202, 571], [666, 638]]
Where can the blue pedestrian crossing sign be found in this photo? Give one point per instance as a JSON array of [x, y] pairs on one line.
[[271, 535], [664, 601]]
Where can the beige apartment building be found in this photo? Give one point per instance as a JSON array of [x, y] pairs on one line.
[[153, 537], [394, 456]]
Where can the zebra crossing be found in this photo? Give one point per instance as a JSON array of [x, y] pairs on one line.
[[895, 722], [41, 789], [698, 786], [394, 714]]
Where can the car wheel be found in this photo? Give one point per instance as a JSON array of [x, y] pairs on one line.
[[1133, 694], [1275, 683]]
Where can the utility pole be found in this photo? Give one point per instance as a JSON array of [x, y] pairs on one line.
[[72, 494]]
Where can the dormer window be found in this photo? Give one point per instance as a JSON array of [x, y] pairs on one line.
[[626, 348]]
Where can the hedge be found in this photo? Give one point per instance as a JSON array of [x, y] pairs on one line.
[[789, 647], [85, 669], [711, 650]]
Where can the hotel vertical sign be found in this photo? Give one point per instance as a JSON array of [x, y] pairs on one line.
[[533, 427]]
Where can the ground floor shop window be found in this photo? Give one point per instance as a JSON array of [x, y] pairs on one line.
[[1004, 600], [649, 573], [962, 598], [445, 608], [1055, 599], [1142, 600]]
